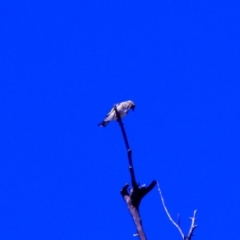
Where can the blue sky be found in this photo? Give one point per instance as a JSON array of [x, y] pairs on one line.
[[63, 66]]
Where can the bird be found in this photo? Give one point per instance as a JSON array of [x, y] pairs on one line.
[[122, 108]]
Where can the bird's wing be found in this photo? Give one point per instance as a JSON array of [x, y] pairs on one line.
[[111, 111], [111, 115]]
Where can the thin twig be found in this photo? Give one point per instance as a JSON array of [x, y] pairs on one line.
[[168, 214], [177, 225], [193, 226]]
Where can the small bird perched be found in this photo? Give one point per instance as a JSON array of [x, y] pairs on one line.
[[123, 108]]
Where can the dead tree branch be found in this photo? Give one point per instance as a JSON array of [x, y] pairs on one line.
[[136, 193], [177, 224]]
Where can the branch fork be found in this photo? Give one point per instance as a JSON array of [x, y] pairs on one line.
[[177, 224], [136, 193]]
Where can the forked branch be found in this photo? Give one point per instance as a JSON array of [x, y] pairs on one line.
[[177, 224], [136, 193]]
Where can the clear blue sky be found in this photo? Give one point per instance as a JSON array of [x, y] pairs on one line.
[[63, 66]]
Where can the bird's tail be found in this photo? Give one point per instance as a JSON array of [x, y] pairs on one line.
[[103, 123]]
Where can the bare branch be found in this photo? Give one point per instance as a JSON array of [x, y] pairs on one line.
[[129, 151], [177, 225], [136, 193], [134, 196], [193, 226], [168, 214]]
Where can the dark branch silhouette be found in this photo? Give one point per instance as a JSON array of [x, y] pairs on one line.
[[136, 193], [177, 224], [134, 196]]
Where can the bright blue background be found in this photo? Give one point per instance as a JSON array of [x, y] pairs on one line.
[[63, 66]]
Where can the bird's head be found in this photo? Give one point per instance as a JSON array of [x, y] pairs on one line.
[[131, 104]]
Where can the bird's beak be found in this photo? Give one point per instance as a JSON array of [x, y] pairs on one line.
[[133, 107]]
